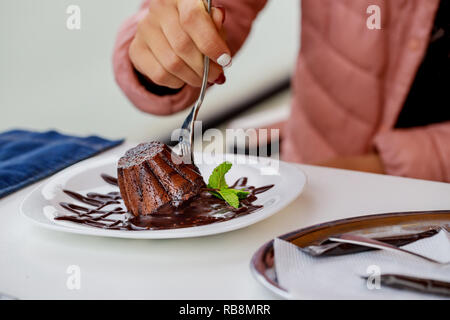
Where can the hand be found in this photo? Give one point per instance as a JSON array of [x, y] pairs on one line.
[[368, 163], [171, 40]]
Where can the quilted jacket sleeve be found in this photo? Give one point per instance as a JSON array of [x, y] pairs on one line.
[[421, 152]]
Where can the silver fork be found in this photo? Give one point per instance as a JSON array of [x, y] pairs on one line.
[[186, 138], [372, 243]]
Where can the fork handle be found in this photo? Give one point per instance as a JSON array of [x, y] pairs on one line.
[[198, 103], [190, 119], [372, 243]]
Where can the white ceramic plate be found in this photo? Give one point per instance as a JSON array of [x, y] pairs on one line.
[[42, 204]]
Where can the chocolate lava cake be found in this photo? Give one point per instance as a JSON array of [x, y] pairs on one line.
[[150, 176]]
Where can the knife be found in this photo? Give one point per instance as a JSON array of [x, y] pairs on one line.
[[421, 285]]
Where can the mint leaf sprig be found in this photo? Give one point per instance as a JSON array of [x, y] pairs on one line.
[[221, 190]]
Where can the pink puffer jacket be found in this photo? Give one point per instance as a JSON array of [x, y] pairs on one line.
[[349, 85]]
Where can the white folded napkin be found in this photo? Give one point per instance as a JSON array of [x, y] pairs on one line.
[[340, 277]]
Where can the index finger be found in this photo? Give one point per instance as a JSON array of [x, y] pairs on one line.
[[199, 25]]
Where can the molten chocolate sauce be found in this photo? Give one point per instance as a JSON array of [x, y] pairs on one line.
[[106, 211]]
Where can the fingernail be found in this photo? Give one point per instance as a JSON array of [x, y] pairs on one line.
[[224, 60], [221, 79], [224, 12]]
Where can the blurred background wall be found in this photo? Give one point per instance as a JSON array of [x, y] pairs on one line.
[[55, 78]]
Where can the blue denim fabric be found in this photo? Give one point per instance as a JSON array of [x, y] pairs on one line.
[[26, 157]]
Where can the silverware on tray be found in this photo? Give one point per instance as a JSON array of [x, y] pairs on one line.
[[376, 244], [396, 281], [330, 248], [422, 285]]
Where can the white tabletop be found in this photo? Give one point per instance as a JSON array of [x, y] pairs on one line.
[[34, 261]]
